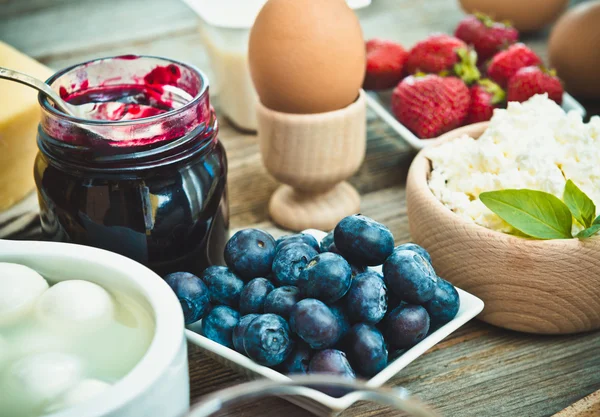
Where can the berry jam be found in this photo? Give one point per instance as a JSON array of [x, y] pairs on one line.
[[143, 175]]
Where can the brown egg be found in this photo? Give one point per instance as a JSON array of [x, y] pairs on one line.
[[525, 15], [307, 56], [574, 50]]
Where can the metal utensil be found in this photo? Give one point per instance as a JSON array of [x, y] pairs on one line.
[[42, 87]]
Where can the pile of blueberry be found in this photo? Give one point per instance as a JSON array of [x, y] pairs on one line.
[[303, 307]]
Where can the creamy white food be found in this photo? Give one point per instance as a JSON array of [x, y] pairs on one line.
[[533, 145], [65, 343], [76, 303], [20, 287]]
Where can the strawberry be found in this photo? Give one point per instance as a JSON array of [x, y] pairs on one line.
[[506, 63], [486, 35], [486, 95], [385, 64], [430, 105], [533, 80], [434, 54]]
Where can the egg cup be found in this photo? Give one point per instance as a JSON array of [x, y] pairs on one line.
[[313, 155]]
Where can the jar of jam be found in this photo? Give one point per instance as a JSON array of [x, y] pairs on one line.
[[143, 174]]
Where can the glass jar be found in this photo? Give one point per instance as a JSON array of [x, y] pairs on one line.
[[145, 175]]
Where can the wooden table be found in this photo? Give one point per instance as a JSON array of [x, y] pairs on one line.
[[480, 370]]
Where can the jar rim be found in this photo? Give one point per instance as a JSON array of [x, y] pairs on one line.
[[202, 93]]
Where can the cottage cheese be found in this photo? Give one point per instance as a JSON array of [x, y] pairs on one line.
[[534, 145]]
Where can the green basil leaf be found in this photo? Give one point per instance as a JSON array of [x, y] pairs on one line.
[[582, 207], [535, 213], [597, 221], [589, 232]]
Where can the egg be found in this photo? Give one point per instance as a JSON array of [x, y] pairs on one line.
[[525, 16], [574, 50], [307, 56]]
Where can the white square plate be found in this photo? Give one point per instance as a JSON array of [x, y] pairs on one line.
[[322, 404], [381, 104]]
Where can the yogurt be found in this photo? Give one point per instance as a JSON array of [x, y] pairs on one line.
[[63, 343]]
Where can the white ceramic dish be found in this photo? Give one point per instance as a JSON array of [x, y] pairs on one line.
[[322, 404], [159, 384], [381, 104]]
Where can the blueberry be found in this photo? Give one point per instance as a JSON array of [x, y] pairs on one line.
[[406, 326], [250, 252], [297, 362], [410, 276], [290, 261], [298, 238], [444, 305], [327, 277], [315, 323], [252, 297], [366, 349], [339, 312], [331, 361], [366, 300], [415, 248], [363, 240], [223, 285], [267, 340], [240, 330], [326, 241], [192, 293], [395, 354], [393, 300], [333, 249], [218, 325], [281, 300], [358, 269]]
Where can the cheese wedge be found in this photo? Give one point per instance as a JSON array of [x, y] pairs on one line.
[[19, 118]]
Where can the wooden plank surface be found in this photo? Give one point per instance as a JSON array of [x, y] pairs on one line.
[[586, 407], [480, 370]]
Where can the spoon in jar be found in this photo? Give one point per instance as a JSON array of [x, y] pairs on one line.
[[42, 87], [87, 110]]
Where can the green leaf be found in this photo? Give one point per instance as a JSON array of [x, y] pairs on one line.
[[582, 207], [589, 232], [597, 221], [535, 213]]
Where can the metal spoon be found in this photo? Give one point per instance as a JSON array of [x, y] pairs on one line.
[[180, 97], [42, 87]]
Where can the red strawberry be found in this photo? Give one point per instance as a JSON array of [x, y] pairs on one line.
[[486, 35], [435, 54], [385, 64], [430, 105], [486, 95], [506, 63], [530, 81]]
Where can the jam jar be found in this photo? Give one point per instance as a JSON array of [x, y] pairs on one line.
[[143, 174]]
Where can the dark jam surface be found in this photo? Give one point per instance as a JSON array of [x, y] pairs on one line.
[[127, 101], [170, 217]]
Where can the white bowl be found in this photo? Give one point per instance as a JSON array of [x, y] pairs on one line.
[[158, 385], [322, 404]]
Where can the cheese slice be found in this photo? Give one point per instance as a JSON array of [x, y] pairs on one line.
[[19, 118]]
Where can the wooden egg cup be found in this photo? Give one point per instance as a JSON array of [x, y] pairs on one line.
[[313, 155]]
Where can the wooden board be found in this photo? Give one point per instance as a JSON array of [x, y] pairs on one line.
[[480, 370], [587, 407]]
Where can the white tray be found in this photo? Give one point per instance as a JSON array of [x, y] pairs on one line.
[[380, 103], [322, 404]]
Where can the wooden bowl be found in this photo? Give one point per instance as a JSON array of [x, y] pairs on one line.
[[534, 286]]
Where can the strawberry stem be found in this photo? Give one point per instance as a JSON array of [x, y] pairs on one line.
[[498, 94], [467, 69]]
